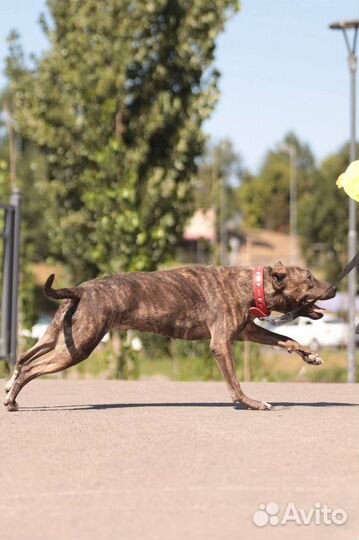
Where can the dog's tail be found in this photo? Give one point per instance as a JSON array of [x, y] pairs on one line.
[[60, 294]]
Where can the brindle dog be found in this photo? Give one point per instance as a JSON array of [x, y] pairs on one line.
[[194, 303]]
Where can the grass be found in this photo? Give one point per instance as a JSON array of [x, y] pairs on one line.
[[193, 361], [281, 366]]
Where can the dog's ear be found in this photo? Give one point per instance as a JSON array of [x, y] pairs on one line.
[[279, 277], [278, 263]]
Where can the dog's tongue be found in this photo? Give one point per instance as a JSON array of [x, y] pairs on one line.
[[316, 312]]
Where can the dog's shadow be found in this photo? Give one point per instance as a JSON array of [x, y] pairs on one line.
[[276, 406]]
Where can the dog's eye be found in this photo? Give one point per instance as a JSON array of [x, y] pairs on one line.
[[310, 279]]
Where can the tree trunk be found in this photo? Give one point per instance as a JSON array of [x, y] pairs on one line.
[[119, 355]]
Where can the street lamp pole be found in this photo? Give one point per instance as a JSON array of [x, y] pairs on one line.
[[291, 150], [12, 126], [221, 202], [352, 234], [223, 224]]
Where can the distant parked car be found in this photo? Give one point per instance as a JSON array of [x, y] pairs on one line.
[[39, 329], [329, 331]]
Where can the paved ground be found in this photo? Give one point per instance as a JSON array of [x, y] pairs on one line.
[[162, 460]]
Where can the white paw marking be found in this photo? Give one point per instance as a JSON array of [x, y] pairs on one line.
[[313, 359], [268, 406], [9, 384]]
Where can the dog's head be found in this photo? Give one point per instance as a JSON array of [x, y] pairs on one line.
[[289, 287]]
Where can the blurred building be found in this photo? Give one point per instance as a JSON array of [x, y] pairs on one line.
[[245, 247], [259, 246], [199, 237]]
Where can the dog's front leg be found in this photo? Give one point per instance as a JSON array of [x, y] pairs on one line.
[[222, 350], [257, 334]]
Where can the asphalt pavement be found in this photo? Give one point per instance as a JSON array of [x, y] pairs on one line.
[[114, 460]]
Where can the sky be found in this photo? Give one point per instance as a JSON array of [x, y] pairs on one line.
[[282, 70]]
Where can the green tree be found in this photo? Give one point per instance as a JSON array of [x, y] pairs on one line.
[[264, 199], [31, 179], [220, 164], [324, 217], [217, 186], [116, 105]]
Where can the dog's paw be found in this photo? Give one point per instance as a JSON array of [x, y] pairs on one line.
[[266, 406], [12, 406], [248, 403], [313, 359]]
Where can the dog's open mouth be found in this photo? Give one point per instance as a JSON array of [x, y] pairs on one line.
[[312, 311]]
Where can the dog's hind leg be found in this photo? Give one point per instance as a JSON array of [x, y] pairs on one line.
[[50, 362], [45, 344], [66, 353], [78, 327]]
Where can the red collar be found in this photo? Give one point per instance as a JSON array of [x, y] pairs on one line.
[[260, 310]]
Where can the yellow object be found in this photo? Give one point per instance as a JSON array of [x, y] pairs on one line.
[[349, 181]]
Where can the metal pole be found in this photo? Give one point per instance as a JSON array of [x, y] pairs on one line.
[[352, 234], [223, 230], [343, 26], [7, 282], [217, 206], [15, 201], [11, 127], [293, 205], [293, 213], [220, 190]]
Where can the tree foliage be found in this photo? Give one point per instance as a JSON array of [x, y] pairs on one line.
[[220, 167], [264, 198], [31, 181], [116, 106], [322, 208], [325, 216]]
